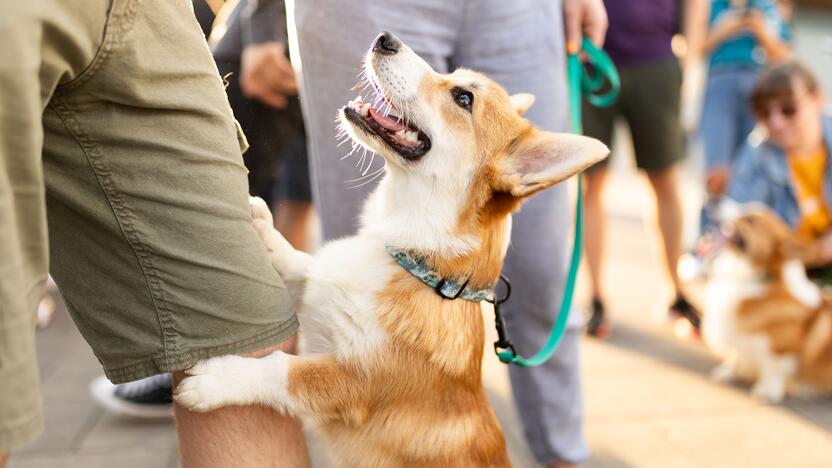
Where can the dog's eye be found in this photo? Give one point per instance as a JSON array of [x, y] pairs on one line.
[[463, 98]]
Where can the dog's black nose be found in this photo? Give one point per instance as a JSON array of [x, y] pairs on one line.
[[386, 44]]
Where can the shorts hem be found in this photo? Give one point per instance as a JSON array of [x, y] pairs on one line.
[[172, 362], [660, 165], [16, 437]]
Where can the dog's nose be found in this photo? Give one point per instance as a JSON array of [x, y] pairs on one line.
[[386, 44]]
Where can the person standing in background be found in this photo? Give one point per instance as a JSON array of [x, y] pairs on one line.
[[252, 54], [639, 43]]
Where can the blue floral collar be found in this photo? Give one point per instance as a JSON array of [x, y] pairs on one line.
[[447, 288]]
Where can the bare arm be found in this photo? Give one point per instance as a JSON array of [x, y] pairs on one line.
[[775, 48], [695, 27], [727, 28]]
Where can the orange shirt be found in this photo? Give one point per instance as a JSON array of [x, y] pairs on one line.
[[807, 173]]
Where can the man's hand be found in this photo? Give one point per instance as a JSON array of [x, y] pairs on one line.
[[584, 18], [266, 74]]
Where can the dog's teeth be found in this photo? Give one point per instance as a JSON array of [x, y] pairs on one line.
[[411, 136], [365, 110]]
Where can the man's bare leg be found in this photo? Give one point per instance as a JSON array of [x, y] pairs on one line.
[[3, 458], [250, 436]]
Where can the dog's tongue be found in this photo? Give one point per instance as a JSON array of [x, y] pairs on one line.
[[387, 122]]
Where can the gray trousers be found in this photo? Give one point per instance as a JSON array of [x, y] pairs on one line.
[[520, 45]]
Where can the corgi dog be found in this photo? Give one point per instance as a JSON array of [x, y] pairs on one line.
[[390, 365], [764, 318]]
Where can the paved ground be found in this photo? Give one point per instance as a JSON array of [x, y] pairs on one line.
[[649, 402]]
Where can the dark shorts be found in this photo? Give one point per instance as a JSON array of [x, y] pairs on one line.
[[649, 102]]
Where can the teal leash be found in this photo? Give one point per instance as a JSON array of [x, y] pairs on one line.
[[581, 82]]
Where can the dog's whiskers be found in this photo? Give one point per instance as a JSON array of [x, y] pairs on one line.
[[370, 164], [353, 150], [366, 179]]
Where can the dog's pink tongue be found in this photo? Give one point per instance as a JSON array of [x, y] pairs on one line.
[[386, 121]]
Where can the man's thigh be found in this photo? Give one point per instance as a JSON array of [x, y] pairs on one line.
[[150, 231]]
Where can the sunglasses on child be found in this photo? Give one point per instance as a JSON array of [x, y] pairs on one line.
[[787, 109]]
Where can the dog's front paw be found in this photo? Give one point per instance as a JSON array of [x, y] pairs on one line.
[[264, 225], [724, 373], [260, 210], [221, 381], [769, 390]]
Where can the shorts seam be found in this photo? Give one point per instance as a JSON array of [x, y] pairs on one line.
[[117, 22], [172, 362], [124, 217]]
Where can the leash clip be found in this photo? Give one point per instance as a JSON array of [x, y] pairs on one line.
[[502, 343]]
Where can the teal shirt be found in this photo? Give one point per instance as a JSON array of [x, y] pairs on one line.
[[743, 51]]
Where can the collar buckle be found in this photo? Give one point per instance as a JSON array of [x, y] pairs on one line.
[[441, 285]]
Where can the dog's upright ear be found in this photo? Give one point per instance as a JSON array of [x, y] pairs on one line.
[[521, 102], [537, 160]]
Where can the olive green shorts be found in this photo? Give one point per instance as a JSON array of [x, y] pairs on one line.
[[649, 102], [121, 174]]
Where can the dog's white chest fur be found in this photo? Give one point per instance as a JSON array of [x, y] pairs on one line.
[[338, 311], [733, 281]]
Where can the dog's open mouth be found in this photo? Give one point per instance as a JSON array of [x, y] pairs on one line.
[[400, 135], [737, 241]]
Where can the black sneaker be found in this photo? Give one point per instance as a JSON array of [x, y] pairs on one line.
[[598, 326], [683, 309], [151, 397]]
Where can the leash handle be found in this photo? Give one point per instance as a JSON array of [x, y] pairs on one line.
[[581, 82]]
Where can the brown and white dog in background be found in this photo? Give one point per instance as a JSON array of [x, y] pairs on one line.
[[763, 316], [390, 371]]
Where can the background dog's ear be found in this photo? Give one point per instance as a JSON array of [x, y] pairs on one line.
[[521, 102], [541, 159]]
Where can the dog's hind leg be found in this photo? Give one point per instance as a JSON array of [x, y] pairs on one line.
[[319, 386]]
